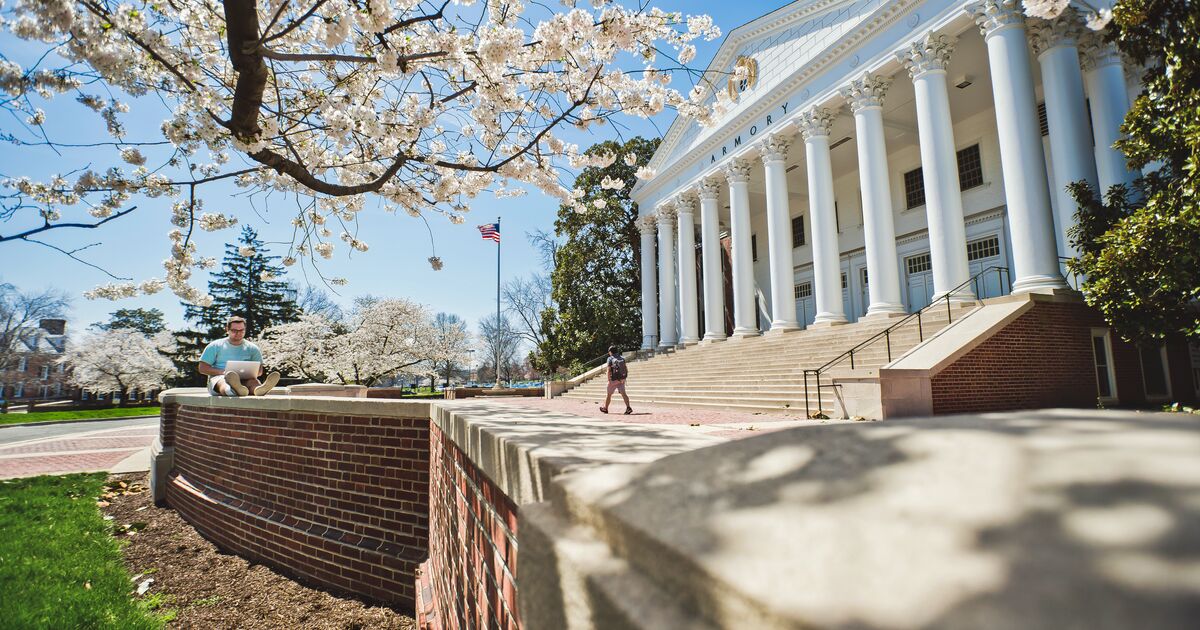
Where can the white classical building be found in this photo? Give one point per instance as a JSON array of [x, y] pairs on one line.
[[879, 154]]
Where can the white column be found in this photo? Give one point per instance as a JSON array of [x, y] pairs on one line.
[[649, 284], [710, 259], [1026, 191], [689, 317], [814, 125], [1055, 43], [666, 275], [865, 96], [779, 233], [738, 174], [1104, 80], [926, 61]]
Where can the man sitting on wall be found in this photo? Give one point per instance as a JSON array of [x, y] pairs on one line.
[[234, 348]]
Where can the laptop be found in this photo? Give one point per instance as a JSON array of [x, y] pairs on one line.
[[245, 369]]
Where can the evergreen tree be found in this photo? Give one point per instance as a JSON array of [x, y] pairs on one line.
[[596, 280], [1140, 247], [246, 285], [148, 321]]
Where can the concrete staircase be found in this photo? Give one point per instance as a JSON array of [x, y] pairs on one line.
[[766, 374]]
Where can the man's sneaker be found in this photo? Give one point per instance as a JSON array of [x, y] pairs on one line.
[[268, 384], [235, 382]]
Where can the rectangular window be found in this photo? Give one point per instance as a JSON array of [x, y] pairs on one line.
[[1042, 120], [843, 280], [802, 290], [1154, 372], [798, 231], [45, 372], [914, 189], [754, 247], [18, 390], [22, 364], [918, 264], [1106, 383], [970, 169], [983, 248], [864, 276]]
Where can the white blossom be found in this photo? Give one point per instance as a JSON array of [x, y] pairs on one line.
[[379, 339], [1045, 9], [423, 117], [133, 156], [1099, 19], [120, 360]]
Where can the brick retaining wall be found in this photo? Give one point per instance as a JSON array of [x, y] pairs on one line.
[[339, 500], [1044, 358], [472, 547]]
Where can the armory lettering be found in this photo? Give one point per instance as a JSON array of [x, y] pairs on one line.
[[737, 140]]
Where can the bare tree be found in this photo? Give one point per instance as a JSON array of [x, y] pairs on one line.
[[316, 301], [547, 246], [526, 298], [21, 314], [501, 344]]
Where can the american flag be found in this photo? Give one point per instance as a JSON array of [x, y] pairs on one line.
[[490, 231]]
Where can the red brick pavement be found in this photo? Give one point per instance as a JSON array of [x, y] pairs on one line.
[[724, 424], [85, 451]]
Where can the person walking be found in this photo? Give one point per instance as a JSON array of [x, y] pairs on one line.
[[617, 373]]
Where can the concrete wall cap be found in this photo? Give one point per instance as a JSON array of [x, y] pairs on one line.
[[522, 449], [333, 405], [945, 522]]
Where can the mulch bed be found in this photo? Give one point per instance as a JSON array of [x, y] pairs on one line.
[[210, 589]]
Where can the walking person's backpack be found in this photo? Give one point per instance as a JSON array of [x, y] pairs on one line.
[[619, 371]]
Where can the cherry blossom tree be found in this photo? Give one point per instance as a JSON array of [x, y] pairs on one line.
[[379, 339], [419, 106], [121, 359]]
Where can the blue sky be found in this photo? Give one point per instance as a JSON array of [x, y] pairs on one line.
[[395, 265]]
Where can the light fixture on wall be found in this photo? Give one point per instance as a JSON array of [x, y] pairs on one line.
[[963, 80]]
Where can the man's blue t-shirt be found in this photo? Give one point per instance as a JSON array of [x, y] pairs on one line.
[[220, 352]]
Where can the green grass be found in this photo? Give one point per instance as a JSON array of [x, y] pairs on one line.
[[59, 565], [87, 414]]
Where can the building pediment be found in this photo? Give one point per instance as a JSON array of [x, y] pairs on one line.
[[774, 46]]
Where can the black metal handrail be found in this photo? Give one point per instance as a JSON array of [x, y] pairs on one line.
[[1002, 274]]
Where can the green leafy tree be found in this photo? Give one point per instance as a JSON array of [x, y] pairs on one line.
[[596, 282], [148, 321], [246, 285], [1140, 247]]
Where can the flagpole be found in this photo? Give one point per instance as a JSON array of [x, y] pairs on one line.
[[499, 332]]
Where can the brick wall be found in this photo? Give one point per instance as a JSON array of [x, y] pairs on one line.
[[1044, 359], [1041, 359], [469, 579], [339, 501]]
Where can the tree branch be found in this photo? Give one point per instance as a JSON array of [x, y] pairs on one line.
[[22, 236]]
